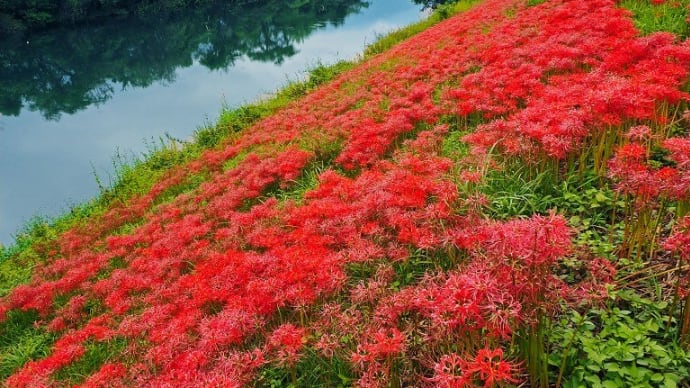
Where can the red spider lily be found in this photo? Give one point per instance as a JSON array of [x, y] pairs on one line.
[[679, 240], [635, 176], [487, 366], [287, 340], [328, 344], [639, 134], [385, 342], [679, 243], [107, 376], [490, 367], [375, 376], [228, 327], [451, 372]]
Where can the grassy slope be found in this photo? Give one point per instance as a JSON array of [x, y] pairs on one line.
[[634, 321], [19, 341]]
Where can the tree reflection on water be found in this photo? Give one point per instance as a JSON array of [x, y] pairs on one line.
[[62, 71]]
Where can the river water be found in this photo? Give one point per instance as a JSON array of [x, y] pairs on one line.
[[71, 100]]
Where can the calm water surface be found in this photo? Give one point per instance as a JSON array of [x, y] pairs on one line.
[[72, 100]]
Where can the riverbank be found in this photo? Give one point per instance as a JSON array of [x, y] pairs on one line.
[[475, 204]]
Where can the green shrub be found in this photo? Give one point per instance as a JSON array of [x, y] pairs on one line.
[[627, 344]]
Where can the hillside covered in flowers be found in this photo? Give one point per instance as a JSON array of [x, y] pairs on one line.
[[502, 199]]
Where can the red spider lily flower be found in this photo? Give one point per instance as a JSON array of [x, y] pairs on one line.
[[328, 345], [107, 376], [228, 327], [637, 177], [679, 240], [451, 372], [375, 375], [639, 133], [385, 342], [288, 341], [489, 367], [679, 148]]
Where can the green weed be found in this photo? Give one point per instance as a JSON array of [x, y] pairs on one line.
[[308, 180], [313, 370], [31, 246], [21, 342], [443, 12], [420, 263], [626, 344], [670, 16], [97, 353]]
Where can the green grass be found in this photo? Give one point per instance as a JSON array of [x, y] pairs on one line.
[[421, 263], [516, 191], [97, 353], [313, 370], [17, 261], [670, 16], [627, 343], [308, 180], [21, 342], [443, 12]]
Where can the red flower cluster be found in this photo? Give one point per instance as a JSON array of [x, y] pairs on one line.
[[287, 341], [679, 241], [636, 176], [454, 371], [487, 300], [562, 73]]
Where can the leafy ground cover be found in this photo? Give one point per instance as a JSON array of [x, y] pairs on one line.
[[501, 200]]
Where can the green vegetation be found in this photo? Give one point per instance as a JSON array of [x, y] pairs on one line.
[[628, 343], [20, 341], [95, 355], [670, 16], [443, 11], [314, 371], [17, 261]]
